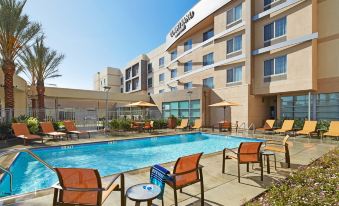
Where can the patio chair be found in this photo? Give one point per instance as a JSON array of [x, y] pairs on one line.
[[21, 131], [84, 187], [225, 125], [308, 129], [136, 127], [286, 127], [48, 129], [148, 126], [187, 171], [248, 152], [268, 126], [197, 124], [278, 146], [333, 130], [71, 129], [183, 125]]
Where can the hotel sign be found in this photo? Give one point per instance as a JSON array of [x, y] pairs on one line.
[[197, 14], [181, 26]]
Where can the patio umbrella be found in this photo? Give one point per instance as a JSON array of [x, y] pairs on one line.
[[224, 104], [141, 104]]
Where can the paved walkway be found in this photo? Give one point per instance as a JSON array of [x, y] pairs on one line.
[[223, 189]]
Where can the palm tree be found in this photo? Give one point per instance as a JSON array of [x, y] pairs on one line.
[[40, 63], [16, 31]]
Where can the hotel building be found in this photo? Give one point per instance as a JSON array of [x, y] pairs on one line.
[[277, 58]]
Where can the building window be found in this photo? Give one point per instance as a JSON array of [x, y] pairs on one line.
[[275, 66], [327, 106], [188, 66], [188, 45], [161, 91], [150, 82], [275, 29], [182, 109], [135, 70], [173, 73], [234, 75], [121, 81], [234, 14], [149, 68], [269, 4], [208, 34], [188, 85], [174, 55], [121, 90], [128, 86], [208, 83], [174, 89], [234, 44], [161, 77], [207, 59], [135, 84], [128, 73], [161, 61]]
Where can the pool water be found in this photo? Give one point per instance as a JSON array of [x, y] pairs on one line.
[[109, 158]]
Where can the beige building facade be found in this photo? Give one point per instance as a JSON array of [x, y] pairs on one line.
[[108, 77], [277, 58]]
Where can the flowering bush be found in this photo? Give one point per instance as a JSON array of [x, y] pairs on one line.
[[316, 184]]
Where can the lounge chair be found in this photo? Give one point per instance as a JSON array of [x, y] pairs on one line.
[[333, 130], [187, 171], [21, 130], [183, 125], [286, 127], [308, 129], [84, 187], [71, 129], [268, 126], [248, 152], [278, 146], [197, 124], [48, 129]]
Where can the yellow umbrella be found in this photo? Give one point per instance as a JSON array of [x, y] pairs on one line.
[[224, 104], [142, 105]]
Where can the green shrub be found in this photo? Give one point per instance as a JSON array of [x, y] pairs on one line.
[[178, 121], [5, 128], [120, 124], [299, 123], [160, 124], [323, 124], [58, 125], [315, 184]]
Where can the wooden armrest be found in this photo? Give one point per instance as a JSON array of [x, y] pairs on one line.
[[114, 178]]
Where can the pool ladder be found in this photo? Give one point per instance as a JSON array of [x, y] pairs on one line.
[[17, 151], [242, 128]]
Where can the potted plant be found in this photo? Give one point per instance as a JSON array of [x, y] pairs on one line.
[[172, 122]]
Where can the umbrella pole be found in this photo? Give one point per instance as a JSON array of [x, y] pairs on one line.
[[224, 114]]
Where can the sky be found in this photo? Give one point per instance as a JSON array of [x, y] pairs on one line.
[[94, 34]]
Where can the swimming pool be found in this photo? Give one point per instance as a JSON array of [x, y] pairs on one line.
[[110, 157]]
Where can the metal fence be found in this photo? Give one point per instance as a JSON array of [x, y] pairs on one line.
[[84, 118]]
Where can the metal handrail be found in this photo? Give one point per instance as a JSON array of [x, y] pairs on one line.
[[17, 151], [10, 177]]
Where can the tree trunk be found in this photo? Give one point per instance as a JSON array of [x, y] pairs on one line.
[[9, 70], [41, 99], [34, 107]]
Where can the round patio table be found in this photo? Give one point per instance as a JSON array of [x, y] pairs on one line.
[[144, 192], [267, 154]]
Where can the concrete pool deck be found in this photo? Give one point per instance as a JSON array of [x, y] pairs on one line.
[[220, 189]]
